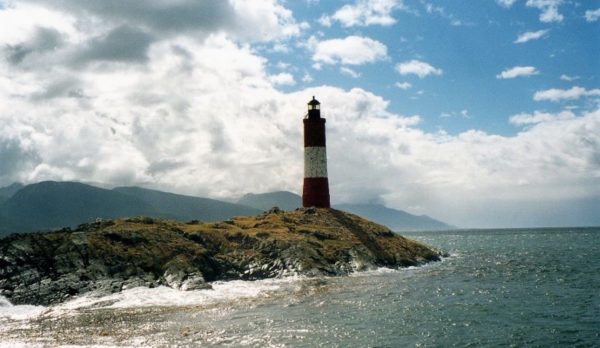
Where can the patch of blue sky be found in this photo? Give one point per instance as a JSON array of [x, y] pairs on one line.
[[472, 43]]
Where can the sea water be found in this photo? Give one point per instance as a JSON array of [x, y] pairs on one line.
[[521, 288]]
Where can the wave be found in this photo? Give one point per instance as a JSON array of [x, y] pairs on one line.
[[19, 312], [374, 271], [162, 296]]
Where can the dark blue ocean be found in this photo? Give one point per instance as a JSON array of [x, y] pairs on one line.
[[519, 288]]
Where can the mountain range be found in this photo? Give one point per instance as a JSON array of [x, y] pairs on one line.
[[52, 205]]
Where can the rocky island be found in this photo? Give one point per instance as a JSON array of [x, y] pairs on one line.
[[113, 255]]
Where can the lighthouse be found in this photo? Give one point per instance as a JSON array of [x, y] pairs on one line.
[[315, 192]]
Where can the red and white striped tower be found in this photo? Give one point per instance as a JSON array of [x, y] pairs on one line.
[[316, 186]]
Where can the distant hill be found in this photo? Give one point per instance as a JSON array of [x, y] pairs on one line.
[[51, 205], [397, 220], [264, 201], [185, 208], [9, 191]]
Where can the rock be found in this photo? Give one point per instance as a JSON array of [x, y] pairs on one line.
[[275, 210], [181, 274], [194, 281], [311, 210], [113, 255]]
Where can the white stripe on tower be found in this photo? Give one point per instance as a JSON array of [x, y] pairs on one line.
[[315, 162]]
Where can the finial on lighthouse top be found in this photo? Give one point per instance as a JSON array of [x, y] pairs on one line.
[[314, 109]]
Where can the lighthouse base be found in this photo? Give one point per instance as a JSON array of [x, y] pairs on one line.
[[316, 193]]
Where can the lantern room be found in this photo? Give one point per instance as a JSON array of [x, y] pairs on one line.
[[314, 109]]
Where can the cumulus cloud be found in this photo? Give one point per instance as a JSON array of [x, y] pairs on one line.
[[557, 94], [364, 13], [122, 44], [549, 9], [283, 79], [417, 67], [539, 117], [42, 40], [246, 20], [592, 15], [517, 71], [351, 50], [531, 35]]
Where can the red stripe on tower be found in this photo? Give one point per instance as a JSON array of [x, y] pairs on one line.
[[316, 185]]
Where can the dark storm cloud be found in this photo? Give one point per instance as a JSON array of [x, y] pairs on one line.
[[62, 87], [122, 44], [43, 40], [158, 15]]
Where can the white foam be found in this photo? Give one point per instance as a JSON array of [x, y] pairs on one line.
[[163, 296], [4, 302], [375, 271], [18, 344], [19, 312]]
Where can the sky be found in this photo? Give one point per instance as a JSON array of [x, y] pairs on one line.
[[478, 113]]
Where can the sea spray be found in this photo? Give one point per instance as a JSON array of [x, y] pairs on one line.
[[21, 312]]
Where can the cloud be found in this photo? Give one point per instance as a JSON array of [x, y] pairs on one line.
[[539, 117], [517, 71], [22, 20], [16, 154], [506, 3], [121, 44], [592, 15], [42, 40], [253, 21], [462, 113], [364, 13], [549, 9], [349, 72], [351, 50], [280, 48], [440, 11], [556, 94], [197, 111], [284, 79], [403, 85], [531, 35], [173, 126], [568, 78], [307, 78], [417, 67]]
